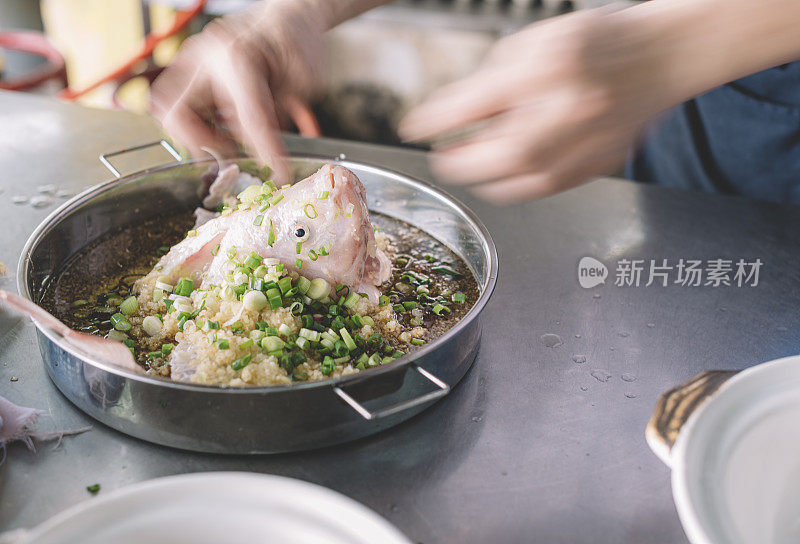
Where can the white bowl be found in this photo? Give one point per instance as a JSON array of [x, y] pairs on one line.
[[736, 461], [217, 507]]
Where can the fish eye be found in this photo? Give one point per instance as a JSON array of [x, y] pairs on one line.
[[301, 232]]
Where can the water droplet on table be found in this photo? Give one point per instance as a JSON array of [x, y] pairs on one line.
[[613, 349], [601, 375], [63, 193], [577, 336], [551, 340], [579, 359], [41, 201], [584, 388], [628, 377], [19, 199], [651, 325], [476, 419], [624, 334], [48, 189], [342, 156], [630, 395], [597, 295]]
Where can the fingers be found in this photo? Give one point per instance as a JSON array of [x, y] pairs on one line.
[[258, 124], [589, 158], [458, 105]]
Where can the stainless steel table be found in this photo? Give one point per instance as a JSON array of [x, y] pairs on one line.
[[530, 447]]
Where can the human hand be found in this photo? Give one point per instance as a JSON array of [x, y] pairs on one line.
[[553, 105], [238, 79]]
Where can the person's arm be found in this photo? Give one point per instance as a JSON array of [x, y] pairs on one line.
[[565, 99], [244, 72]]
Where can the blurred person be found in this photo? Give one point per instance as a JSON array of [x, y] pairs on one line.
[[552, 106]]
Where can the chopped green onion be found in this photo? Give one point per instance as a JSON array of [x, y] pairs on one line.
[[213, 325], [417, 341], [312, 209], [284, 329], [299, 248], [257, 221], [323, 195], [328, 366], [340, 348], [129, 305], [80, 302], [253, 261], [191, 233], [350, 208], [303, 285], [374, 360], [409, 305], [255, 300], [383, 300], [300, 376], [154, 355], [322, 251], [164, 286], [309, 334], [446, 270], [284, 284], [318, 289], [215, 250], [271, 237], [298, 263], [348, 340], [459, 298], [351, 300], [223, 344], [242, 362], [184, 287], [120, 322], [274, 298], [232, 253], [272, 343], [237, 327], [277, 199], [163, 250], [152, 325], [246, 344], [296, 308], [303, 343], [158, 294], [399, 308], [438, 309]]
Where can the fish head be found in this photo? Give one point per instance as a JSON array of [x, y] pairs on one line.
[[327, 216]]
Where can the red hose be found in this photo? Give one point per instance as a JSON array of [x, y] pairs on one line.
[[36, 44]]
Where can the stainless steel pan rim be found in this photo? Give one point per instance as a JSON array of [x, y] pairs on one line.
[[91, 192]]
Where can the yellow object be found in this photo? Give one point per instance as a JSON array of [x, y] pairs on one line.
[[97, 36]]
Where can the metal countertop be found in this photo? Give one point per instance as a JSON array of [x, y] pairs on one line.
[[530, 447]]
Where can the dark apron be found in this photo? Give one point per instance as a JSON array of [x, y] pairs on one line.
[[742, 138]]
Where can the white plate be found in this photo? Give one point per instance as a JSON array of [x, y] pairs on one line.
[[736, 462], [217, 507]]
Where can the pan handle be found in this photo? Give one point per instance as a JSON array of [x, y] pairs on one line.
[[366, 413], [674, 407], [163, 143]]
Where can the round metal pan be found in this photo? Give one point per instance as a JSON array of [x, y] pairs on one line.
[[264, 419]]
